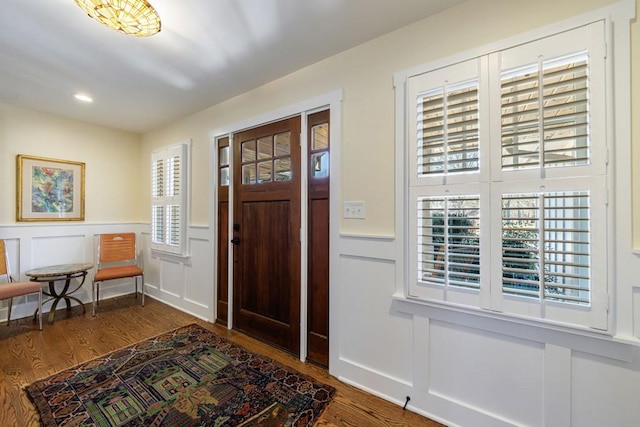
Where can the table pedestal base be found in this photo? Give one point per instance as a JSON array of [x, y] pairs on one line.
[[63, 294]]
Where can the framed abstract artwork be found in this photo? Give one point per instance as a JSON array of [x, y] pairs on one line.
[[49, 189]]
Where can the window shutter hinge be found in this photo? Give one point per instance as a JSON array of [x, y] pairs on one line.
[[606, 197], [300, 234], [606, 156]]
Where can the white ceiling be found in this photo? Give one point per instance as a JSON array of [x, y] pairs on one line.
[[208, 51]]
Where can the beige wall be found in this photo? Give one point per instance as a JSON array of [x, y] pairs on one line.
[[365, 75], [112, 190]]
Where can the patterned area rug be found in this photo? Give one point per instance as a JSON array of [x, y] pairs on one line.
[[186, 377]]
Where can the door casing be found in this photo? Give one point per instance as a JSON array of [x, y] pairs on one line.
[[332, 101]]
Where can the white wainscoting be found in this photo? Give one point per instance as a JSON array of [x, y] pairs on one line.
[[467, 369], [457, 367], [185, 283], [365, 318]]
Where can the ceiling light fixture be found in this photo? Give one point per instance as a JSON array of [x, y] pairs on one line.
[[82, 97], [133, 17]]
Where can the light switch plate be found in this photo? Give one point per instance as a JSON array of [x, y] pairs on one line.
[[353, 209]]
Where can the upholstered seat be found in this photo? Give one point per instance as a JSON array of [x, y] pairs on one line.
[[12, 289], [118, 273], [117, 259], [18, 289]]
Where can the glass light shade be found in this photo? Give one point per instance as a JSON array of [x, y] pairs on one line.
[[133, 17]]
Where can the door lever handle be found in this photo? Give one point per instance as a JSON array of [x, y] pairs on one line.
[[235, 240]]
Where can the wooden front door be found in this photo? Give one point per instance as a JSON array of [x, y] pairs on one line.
[[266, 233]]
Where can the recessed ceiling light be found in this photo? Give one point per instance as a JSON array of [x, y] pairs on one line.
[[82, 97]]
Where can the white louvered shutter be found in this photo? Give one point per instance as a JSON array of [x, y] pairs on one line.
[[507, 180], [157, 199], [546, 250], [546, 103], [446, 173], [446, 125], [447, 128], [550, 172], [169, 199], [174, 205], [449, 250]]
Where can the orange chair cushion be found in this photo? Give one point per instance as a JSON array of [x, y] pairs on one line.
[[16, 289], [117, 273]]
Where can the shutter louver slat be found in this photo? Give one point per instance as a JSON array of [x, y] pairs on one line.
[[517, 105], [561, 72], [514, 95], [434, 141], [565, 91]]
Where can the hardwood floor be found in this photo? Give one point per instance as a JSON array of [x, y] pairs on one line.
[[27, 354]]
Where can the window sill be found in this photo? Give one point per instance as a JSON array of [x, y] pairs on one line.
[[569, 336], [183, 259]]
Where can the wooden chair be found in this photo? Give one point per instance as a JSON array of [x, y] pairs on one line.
[[12, 289], [117, 259]]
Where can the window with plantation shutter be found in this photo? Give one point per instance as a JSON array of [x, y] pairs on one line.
[[449, 250], [169, 188], [507, 180], [448, 129], [445, 126], [545, 103], [545, 246]]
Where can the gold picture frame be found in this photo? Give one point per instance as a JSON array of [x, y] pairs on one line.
[[49, 189]]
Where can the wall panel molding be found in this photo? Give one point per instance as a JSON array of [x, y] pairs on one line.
[[364, 267], [35, 245]]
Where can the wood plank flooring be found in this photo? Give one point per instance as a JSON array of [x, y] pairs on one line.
[[26, 354]]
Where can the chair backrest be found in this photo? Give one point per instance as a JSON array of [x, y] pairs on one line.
[[117, 247], [4, 264]]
